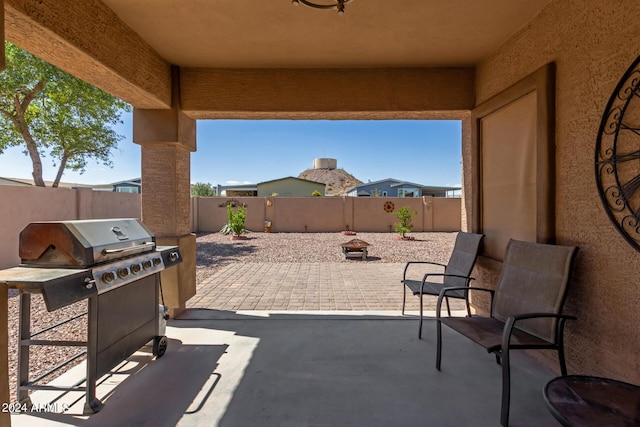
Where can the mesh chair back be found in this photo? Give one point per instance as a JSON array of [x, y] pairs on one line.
[[534, 279], [463, 258]]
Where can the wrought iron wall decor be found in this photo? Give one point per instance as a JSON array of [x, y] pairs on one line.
[[617, 162]]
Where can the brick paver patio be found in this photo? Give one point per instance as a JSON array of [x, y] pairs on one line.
[[358, 286]]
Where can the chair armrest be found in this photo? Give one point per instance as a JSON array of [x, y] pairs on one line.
[[511, 321], [424, 278], [406, 267], [537, 315], [443, 294]]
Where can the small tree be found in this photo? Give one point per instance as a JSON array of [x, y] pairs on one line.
[[236, 219], [51, 112], [203, 189], [404, 214]]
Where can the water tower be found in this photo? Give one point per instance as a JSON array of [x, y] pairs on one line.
[[325, 163]]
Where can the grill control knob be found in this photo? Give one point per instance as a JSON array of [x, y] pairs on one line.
[[173, 256], [108, 277], [135, 268], [157, 261], [123, 272], [146, 264]]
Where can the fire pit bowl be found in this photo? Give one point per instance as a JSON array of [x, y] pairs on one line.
[[355, 248]]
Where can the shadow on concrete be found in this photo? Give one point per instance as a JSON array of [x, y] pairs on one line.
[[281, 369], [348, 369], [149, 392]]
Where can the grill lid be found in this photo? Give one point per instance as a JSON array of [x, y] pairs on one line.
[[83, 243]]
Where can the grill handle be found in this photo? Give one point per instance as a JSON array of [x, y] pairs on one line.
[[129, 249]]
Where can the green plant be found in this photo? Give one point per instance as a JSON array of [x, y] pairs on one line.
[[316, 193], [235, 224], [404, 214]]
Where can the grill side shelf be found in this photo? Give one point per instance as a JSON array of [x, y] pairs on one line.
[[59, 287]]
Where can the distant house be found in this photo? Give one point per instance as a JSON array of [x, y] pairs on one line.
[[14, 181], [237, 190], [29, 183], [290, 186], [395, 188], [128, 186]]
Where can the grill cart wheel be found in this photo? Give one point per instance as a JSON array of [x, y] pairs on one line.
[[159, 346]]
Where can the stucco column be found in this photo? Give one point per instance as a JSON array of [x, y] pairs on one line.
[[167, 138]]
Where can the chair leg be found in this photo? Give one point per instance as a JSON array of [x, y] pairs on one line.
[[468, 307], [448, 309], [420, 328], [560, 344], [506, 389], [438, 343], [563, 364]]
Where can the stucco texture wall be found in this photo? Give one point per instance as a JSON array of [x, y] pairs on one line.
[[592, 43], [23, 205], [328, 214]]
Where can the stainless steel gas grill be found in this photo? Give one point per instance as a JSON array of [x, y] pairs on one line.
[[115, 265]]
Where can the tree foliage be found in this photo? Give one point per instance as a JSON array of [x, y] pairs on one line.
[[51, 112], [404, 214], [203, 189]]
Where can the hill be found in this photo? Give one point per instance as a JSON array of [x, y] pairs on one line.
[[337, 180]]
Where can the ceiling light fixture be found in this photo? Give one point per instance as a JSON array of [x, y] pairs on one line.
[[334, 4]]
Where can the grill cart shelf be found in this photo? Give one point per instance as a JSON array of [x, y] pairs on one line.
[[122, 294]]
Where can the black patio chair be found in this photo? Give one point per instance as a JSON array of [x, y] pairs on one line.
[[456, 274], [526, 308]]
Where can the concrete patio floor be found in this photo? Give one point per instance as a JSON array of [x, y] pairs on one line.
[[304, 369]]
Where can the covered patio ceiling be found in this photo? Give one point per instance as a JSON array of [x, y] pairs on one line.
[[371, 33], [242, 59]]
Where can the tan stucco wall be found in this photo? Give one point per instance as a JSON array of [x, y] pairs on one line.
[[22, 205], [293, 214], [328, 214], [290, 188], [592, 43]]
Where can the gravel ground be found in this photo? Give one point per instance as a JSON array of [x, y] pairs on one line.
[[215, 251]]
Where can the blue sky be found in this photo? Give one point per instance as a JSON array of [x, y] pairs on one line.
[[239, 151]]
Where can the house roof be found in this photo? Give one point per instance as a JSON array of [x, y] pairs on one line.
[[291, 177], [134, 181], [399, 183], [61, 184]]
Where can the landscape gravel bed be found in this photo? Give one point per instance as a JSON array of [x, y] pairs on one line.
[[215, 251]]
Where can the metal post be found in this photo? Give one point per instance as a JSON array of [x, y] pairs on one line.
[[92, 404], [23, 348]]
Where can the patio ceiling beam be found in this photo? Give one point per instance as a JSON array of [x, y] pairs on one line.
[[353, 93], [88, 40]]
